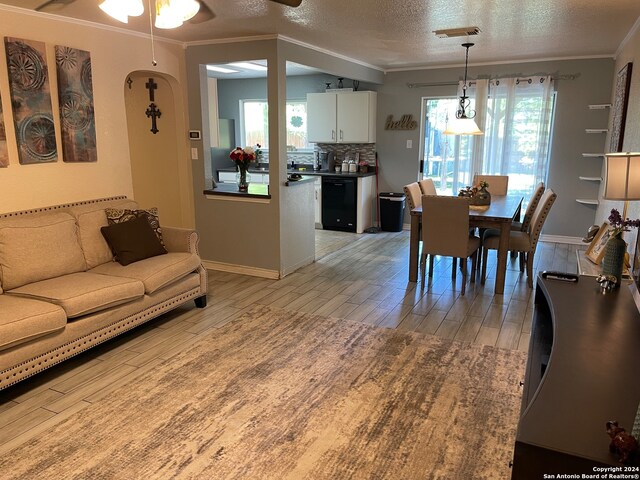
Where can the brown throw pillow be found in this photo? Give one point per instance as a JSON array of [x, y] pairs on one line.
[[132, 241], [119, 215]]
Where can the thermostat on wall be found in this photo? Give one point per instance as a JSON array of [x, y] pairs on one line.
[[194, 135]]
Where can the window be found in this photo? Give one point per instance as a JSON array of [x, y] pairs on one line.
[[445, 158], [255, 123], [516, 122]]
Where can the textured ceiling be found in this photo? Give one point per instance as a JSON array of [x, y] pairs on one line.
[[398, 33]]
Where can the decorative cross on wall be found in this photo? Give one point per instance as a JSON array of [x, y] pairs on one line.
[[152, 111], [151, 86]]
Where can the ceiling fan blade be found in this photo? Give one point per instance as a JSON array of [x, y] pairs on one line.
[[52, 5], [204, 14], [289, 3]]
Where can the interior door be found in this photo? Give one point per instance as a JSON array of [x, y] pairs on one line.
[[321, 117], [353, 110]]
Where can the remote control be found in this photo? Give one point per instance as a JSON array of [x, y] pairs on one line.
[[564, 276]]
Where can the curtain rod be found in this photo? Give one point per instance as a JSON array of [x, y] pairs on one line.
[[571, 76]]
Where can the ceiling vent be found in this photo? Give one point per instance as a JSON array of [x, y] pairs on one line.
[[457, 32]]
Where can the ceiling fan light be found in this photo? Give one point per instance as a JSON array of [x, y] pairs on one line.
[[121, 10], [189, 8], [167, 14]]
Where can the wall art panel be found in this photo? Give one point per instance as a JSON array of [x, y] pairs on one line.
[[4, 154], [31, 101], [75, 94]]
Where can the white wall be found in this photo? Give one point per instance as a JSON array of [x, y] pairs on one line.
[[114, 55]]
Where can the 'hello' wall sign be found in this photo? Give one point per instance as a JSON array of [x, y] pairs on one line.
[[405, 123]]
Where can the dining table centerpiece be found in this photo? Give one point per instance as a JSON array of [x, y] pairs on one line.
[[479, 195], [242, 158], [616, 247]]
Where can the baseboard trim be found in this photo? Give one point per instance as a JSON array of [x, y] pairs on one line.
[[562, 239], [293, 268], [241, 269]]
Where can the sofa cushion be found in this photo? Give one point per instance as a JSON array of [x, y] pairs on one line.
[[82, 293], [90, 218], [38, 247], [22, 319], [132, 241], [121, 215], [155, 272]]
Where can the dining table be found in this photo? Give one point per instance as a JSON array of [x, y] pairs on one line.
[[499, 215]]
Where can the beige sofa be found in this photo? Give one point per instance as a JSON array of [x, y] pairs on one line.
[[61, 292]]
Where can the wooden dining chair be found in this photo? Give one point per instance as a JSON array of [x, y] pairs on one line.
[[519, 241], [531, 207], [427, 186], [445, 231], [498, 184], [413, 193]]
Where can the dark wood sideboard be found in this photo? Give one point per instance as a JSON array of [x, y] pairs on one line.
[[583, 370]]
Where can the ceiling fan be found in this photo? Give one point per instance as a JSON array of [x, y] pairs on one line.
[[204, 13]]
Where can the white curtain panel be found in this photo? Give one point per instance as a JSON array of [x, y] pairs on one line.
[[517, 130]]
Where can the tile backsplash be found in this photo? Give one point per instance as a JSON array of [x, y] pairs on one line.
[[367, 153], [367, 150]]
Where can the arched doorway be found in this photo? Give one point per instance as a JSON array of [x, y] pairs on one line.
[[157, 166]]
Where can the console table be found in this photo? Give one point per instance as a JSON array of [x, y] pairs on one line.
[[583, 369]]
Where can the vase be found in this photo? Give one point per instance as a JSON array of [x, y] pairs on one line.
[[243, 178], [482, 197], [613, 261]]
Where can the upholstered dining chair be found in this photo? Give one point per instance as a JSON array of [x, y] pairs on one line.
[[498, 184], [519, 241], [445, 231], [413, 193], [427, 187], [531, 207]]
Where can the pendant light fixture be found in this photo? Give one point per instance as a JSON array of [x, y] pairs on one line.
[[168, 13], [464, 124]]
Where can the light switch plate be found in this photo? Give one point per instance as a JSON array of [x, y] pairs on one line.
[[409, 143], [194, 153]]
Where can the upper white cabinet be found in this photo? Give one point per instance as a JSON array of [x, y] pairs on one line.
[[345, 117]]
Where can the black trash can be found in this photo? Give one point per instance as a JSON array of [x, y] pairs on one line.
[[391, 211]]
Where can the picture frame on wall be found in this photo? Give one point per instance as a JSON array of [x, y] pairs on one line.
[[621, 98], [595, 251]]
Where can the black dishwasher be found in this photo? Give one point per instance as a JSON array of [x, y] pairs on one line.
[[339, 203]]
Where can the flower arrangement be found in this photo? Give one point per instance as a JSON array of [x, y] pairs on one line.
[[483, 184], [244, 156], [619, 224]]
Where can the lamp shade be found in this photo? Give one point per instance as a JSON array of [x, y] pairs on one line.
[[622, 176], [122, 9], [462, 126]]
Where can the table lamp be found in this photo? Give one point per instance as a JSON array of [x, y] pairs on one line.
[[622, 178]]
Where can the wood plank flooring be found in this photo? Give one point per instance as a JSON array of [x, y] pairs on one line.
[[361, 278]]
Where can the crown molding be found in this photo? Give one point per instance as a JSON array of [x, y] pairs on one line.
[[501, 62], [285, 39], [329, 52], [627, 39]]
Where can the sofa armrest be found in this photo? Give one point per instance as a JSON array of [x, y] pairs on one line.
[[180, 239]]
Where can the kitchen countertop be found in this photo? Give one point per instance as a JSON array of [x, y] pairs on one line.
[[320, 173]]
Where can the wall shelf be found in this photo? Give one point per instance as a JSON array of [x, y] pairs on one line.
[[588, 201], [591, 179], [593, 155], [596, 130], [599, 106]]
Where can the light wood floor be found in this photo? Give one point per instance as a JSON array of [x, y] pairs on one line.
[[356, 277]]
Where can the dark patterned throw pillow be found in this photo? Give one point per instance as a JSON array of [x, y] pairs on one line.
[[120, 215]]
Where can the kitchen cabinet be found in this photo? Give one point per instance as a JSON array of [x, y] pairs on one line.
[[345, 117]]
